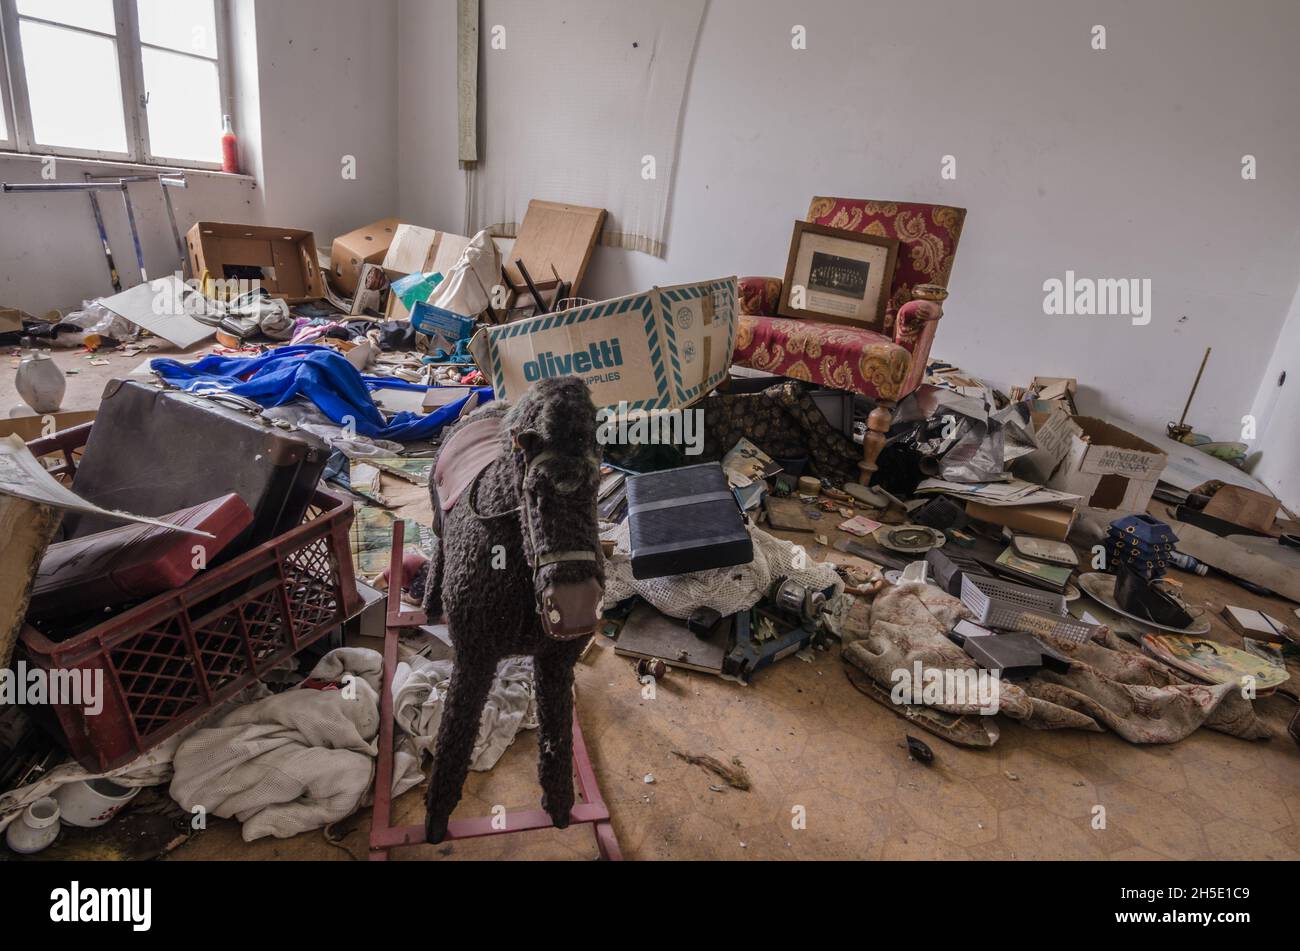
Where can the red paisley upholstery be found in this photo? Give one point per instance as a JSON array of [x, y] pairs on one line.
[[888, 366], [844, 358]]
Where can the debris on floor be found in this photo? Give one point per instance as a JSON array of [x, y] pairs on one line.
[[381, 502], [733, 773]]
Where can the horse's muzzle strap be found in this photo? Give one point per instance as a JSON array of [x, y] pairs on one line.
[[558, 556]]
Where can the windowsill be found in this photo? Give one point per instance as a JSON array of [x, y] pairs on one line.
[[134, 168]]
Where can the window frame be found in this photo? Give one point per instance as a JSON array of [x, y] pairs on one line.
[[130, 62]]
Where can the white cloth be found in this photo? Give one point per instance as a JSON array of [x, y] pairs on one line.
[[616, 74], [304, 758], [467, 289], [726, 590], [294, 761], [420, 688]]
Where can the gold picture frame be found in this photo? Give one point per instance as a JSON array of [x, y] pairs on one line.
[[843, 277]]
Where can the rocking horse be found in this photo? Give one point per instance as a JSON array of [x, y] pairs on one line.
[[518, 570]]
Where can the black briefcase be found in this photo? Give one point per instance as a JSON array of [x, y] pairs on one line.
[[153, 451], [682, 520]]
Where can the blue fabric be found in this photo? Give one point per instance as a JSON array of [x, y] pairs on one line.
[[319, 374]]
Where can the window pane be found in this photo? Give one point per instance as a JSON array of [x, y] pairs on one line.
[[4, 129], [187, 26], [92, 14], [73, 84], [184, 106]]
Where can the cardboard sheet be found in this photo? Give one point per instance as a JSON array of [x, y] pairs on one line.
[[559, 236], [163, 307], [1188, 467], [1237, 561]]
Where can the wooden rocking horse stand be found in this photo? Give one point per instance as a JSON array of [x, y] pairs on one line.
[[383, 836]]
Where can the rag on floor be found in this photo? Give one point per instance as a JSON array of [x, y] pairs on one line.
[[1109, 683], [296, 760], [151, 768], [301, 759], [726, 590], [320, 374], [420, 689]]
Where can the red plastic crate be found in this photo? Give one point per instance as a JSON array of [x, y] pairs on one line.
[[171, 660]]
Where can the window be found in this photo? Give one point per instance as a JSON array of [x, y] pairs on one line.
[[135, 80]]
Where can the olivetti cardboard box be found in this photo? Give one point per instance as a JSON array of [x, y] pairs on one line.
[[659, 349]]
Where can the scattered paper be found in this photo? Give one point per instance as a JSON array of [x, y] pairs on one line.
[[23, 476], [1015, 492], [859, 525]]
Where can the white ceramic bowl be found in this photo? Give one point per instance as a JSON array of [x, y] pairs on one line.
[[92, 802]]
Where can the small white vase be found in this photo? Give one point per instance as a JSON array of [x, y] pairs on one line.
[[35, 829], [39, 381]]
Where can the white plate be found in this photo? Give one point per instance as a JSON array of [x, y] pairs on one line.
[[1101, 588]]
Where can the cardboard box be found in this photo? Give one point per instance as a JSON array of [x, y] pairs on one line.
[[11, 320], [286, 256], [28, 428], [421, 250], [658, 349], [1109, 467], [1253, 511], [368, 245], [1042, 521]]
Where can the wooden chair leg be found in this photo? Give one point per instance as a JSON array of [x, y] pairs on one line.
[[877, 427]]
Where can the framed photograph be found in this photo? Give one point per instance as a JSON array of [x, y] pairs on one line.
[[839, 276]]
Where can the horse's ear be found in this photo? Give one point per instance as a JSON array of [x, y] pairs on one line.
[[529, 440]]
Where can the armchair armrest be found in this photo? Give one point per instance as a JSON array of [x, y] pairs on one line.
[[915, 325], [759, 296], [919, 314], [914, 318]]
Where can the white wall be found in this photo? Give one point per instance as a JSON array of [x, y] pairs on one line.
[[50, 253], [328, 89], [1117, 163], [431, 186], [1276, 411], [315, 80]]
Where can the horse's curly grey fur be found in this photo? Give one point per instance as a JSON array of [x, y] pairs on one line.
[[492, 611]]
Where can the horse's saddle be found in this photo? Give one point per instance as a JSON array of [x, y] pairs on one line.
[[468, 451]]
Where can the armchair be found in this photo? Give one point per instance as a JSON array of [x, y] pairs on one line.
[[884, 367]]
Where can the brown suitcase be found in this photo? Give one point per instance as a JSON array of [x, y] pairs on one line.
[[152, 451]]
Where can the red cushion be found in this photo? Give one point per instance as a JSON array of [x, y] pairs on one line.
[[834, 355]]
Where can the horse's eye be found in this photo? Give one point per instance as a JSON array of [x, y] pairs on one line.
[[568, 486]]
